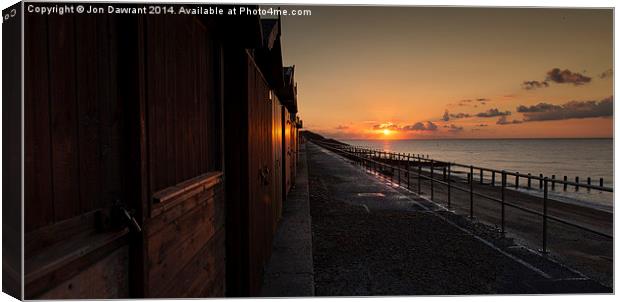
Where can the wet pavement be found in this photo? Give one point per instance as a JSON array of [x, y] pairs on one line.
[[370, 237]]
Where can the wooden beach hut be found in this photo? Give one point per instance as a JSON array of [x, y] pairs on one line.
[[258, 164], [153, 154], [290, 121]]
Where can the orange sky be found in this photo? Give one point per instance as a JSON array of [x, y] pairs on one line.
[[361, 70]]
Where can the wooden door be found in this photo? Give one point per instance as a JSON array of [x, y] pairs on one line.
[[125, 183], [260, 170], [78, 170], [276, 116], [184, 234], [288, 137]]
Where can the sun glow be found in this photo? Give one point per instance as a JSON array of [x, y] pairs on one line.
[[387, 132]]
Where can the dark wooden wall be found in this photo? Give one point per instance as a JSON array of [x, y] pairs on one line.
[[73, 118], [289, 151], [131, 109], [294, 146], [260, 169], [74, 141], [108, 98], [182, 91], [185, 234], [12, 151], [236, 172], [278, 168], [186, 254], [254, 161]]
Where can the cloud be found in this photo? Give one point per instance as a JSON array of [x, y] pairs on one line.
[[454, 128], [389, 126], [483, 101], [472, 102], [482, 125], [567, 77], [570, 110], [463, 103], [420, 126], [503, 120], [493, 112], [342, 127], [531, 85], [606, 74], [460, 115], [446, 116]]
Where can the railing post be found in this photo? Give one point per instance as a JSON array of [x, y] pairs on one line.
[[565, 182], [371, 160], [553, 182], [419, 176], [365, 158], [481, 176], [589, 183], [432, 179], [529, 181], [408, 173], [392, 171], [471, 193], [391, 161], [517, 181], [493, 178], [540, 181], [577, 183], [449, 185], [545, 197], [376, 161], [444, 173], [601, 182], [503, 202], [398, 166]]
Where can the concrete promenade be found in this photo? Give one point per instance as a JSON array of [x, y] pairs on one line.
[[347, 232], [372, 238], [289, 272]]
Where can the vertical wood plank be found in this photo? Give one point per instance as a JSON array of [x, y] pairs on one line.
[[65, 163], [171, 73], [156, 96], [88, 86], [39, 198], [110, 112]]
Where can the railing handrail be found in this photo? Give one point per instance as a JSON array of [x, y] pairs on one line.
[[507, 172]]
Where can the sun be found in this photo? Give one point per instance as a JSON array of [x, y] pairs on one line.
[[387, 132]]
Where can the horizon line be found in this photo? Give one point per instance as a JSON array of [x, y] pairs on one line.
[[465, 138]]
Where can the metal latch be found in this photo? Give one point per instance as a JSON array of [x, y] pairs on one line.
[[264, 175], [131, 220], [122, 215]]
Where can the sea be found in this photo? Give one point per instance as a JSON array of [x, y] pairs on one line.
[[584, 158]]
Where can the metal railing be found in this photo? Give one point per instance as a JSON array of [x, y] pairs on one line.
[[390, 164]]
